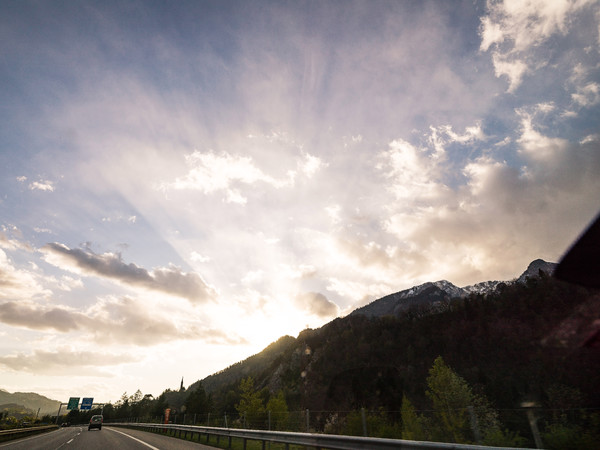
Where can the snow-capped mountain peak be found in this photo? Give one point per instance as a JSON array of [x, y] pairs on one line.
[[436, 295]]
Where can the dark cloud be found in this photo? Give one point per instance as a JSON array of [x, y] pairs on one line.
[[170, 280], [125, 321], [66, 362], [317, 304], [31, 316]]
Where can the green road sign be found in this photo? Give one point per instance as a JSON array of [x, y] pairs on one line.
[[73, 403]]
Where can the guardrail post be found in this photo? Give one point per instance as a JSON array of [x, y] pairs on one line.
[[307, 421], [364, 421], [474, 424], [533, 423]]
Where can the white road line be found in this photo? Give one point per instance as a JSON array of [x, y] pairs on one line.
[[135, 439], [37, 436], [68, 442]]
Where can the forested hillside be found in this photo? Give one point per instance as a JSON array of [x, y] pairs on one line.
[[533, 342], [501, 342]]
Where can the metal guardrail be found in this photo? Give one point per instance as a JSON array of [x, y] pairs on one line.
[[16, 433], [315, 440]]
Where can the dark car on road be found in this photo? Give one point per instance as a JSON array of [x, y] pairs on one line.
[[95, 422]]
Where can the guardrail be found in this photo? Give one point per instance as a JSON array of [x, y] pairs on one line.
[[315, 440], [16, 433]]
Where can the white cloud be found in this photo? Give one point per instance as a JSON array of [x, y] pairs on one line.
[[16, 283], [410, 171], [537, 146], [42, 186], [512, 29], [8, 243], [587, 95], [253, 276], [513, 69], [212, 173], [65, 283], [590, 139], [311, 164], [197, 257]]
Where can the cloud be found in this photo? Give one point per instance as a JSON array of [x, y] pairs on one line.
[[514, 70], [317, 304], [67, 362], [7, 243], [587, 95], [501, 211], [113, 320], [170, 280], [135, 321], [410, 172], [18, 283], [512, 30], [311, 164], [535, 145], [65, 283], [37, 317], [212, 173], [42, 186]]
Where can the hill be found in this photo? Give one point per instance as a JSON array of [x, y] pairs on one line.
[[534, 339], [500, 338], [29, 401]]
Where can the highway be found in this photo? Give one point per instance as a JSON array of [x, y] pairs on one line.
[[79, 438]]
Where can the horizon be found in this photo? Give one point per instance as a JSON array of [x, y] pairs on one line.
[[182, 184]]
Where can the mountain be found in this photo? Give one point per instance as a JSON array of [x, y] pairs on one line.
[[432, 295], [534, 268], [30, 401], [387, 335], [514, 342], [436, 296]]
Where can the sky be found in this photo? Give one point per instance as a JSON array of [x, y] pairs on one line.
[[182, 183]]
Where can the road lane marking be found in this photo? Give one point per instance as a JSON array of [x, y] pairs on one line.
[[135, 439]]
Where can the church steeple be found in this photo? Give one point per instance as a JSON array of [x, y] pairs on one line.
[[181, 388]]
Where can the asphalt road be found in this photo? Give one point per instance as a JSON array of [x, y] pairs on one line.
[[79, 438]]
